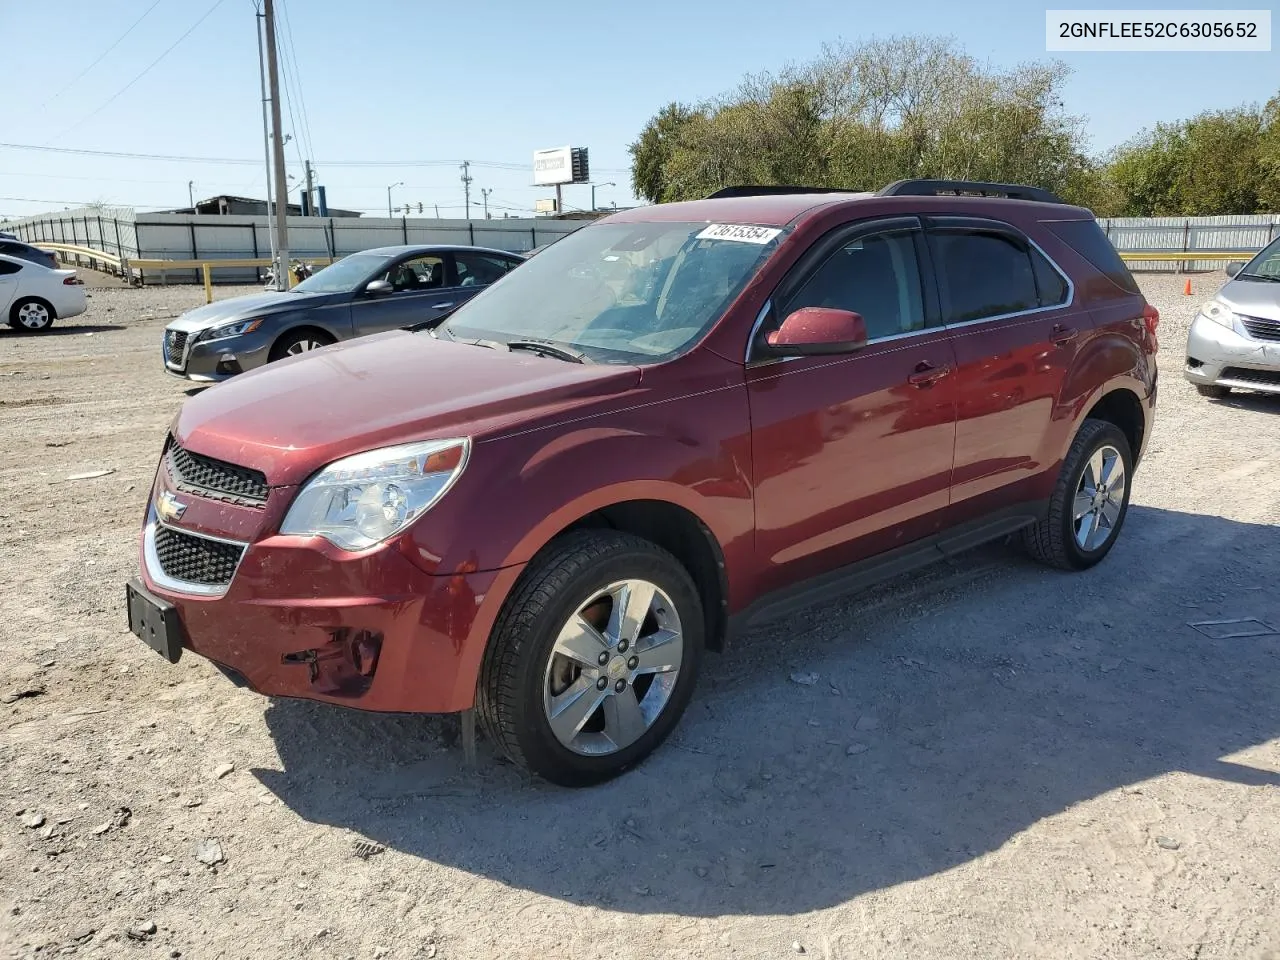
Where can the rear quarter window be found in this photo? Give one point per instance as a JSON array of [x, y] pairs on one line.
[[1086, 238]]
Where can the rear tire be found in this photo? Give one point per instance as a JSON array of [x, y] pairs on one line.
[[297, 342], [579, 705], [1212, 391], [1089, 502], [32, 315]]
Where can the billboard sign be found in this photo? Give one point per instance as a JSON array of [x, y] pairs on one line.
[[553, 166]]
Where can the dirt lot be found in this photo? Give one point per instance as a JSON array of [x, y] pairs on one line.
[[996, 760]]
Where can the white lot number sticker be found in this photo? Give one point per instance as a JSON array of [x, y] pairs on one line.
[[739, 232]]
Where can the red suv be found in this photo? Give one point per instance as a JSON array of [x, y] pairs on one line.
[[546, 505]]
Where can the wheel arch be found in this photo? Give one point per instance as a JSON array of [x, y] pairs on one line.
[[32, 298], [684, 535], [307, 326], [1122, 407]]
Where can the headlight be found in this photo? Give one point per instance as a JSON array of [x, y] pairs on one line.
[[359, 501], [234, 329], [1218, 312]]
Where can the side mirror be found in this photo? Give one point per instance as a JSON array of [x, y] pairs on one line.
[[378, 288], [814, 331], [1234, 267]]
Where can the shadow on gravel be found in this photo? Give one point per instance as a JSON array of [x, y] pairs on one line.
[[1261, 402], [953, 710], [62, 328]]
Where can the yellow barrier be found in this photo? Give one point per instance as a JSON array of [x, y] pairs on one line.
[[87, 252], [1164, 256], [206, 268]]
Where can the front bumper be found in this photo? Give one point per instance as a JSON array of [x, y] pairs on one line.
[[209, 361], [302, 618], [1225, 357]]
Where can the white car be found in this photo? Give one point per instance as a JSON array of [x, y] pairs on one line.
[[32, 296]]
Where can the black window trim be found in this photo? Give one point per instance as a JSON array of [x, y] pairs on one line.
[[942, 224], [822, 250]]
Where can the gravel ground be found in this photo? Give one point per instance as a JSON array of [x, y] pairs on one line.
[[995, 760]]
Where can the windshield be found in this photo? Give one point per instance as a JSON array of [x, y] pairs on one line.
[[1265, 264], [344, 275], [620, 292]]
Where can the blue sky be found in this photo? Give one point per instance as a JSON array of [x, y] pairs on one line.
[[489, 82]]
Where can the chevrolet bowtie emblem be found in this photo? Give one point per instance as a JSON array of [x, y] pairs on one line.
[[169, 508]]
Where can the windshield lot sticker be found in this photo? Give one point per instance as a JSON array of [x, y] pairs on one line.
[[742, 234]]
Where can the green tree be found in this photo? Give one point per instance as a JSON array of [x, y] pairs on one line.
[[651, 151]]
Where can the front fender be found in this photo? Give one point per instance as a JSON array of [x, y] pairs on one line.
[[519, 491]]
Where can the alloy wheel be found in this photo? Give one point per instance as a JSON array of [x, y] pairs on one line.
[[33, 316], [1099, 498], [302, 346], [613, 668]]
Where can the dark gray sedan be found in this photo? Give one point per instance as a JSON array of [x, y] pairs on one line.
[[367, 292]]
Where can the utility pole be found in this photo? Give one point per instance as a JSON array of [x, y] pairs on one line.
[[484, 192], [311, 197], [191, 197], [466, 185], [277, 144], [437, 206], [266, 137]]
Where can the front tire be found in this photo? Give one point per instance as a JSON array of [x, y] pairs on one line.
[[32, 315], [299, 342], [1212, 391], [593, 658], [1089, 502]]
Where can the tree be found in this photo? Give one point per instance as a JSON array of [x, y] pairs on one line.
[[859, 117], [651, 152]]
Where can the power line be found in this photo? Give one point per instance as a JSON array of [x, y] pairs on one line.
[[112, 99], [292, 56], [103, 56], [486, 164]]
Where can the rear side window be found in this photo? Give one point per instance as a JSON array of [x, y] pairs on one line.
[[1049, 282], [984, 275], [6, 268], [1087, 239]]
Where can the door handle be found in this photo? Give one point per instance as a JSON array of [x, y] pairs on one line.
[[926, 374], [442, 306], [1062, 334]]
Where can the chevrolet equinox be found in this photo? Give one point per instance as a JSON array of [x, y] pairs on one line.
[[540, 509]]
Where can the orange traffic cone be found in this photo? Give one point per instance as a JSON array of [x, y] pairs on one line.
[[1186, 291]]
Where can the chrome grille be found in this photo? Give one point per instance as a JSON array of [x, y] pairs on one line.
[[195, 559], [175, 345], [216, 479], [1263, 378], [1260, 328]]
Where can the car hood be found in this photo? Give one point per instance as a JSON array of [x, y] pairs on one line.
[[292, 417], [248, 307], [1253, 298]]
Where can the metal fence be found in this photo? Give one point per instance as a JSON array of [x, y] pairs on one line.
[[154, 236], [118, 230], [1133, 235], [109, 229]]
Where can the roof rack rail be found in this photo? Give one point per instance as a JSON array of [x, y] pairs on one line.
[[935, 188], [771, 190]]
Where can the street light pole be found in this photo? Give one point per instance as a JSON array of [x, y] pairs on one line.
[[593, 192], [389, 189], [266, 140], [191, 197], [282, 190]]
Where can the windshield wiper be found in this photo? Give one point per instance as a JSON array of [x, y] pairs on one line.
[[1257, 276], [549, 348]]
